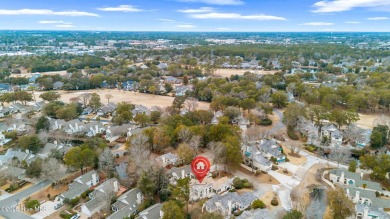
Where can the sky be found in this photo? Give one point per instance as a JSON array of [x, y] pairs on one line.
[[197, 15]]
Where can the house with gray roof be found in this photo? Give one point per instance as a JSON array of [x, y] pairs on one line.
[[229, 202], [107, 109], [94, 128], [80, 185], [370, 212], [140, 109], [181, 90], [168, 159], [58, 85], [5, 88], [74, 126], [101, 197], [16, 154], [153, 212], [57, 124], [255, 159], [353, 180], [127, 204], [366, 197], [176, 173], [259, 214], [49, 147], [4, 111], [333, 134], [217, 114], [269, 148], [3, 140], [358, 136]]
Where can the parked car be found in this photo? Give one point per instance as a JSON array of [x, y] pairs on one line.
[[76, 216]]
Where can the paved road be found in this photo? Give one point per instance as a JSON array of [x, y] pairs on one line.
[[7, 205]]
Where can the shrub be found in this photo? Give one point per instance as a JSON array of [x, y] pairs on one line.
[[291, 134], [232, 190], [274, 202], [237, 183], [32, 204], [265, 122], [258, 204], [74, 202], [274, 167]]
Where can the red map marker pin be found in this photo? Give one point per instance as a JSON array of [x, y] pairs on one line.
[[200, 167]]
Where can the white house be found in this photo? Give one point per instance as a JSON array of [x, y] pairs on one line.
[[229, 202], [168, 159], [3, 140], [333, 135], [80, 185]]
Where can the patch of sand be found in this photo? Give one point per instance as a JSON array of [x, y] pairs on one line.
[[229, 72], [367, 120], [267, 198], [295, 159], [147, 100]]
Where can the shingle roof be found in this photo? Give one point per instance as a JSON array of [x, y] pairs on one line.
[[377, 202], [153, 212], [76, 190], [358, 181], [126, 204]]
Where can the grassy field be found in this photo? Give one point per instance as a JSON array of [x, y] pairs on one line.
[[147, 100], [229, 72]]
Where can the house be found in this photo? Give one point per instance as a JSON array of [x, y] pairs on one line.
[[74, 126], [4, 111], [182, 90], [18, 126], [34, 77], [332, 134], [107, 109], [172, 80], [143, 67], [87, 111], [308, 130], [140, 109], [259, 214], [101, 197], [129, 85], [49, 147], [255, 159], [229, 202], [242, 122], [168, 159], [3, 140], [269, 148], [16, 154], [115, 132], [5, 88], [179, 173], [215, 120], [358, 136], [366, 197], [209, 187], [162, 66], [58, 85], [354, 180], [94, 128], [127, 204], [80, 185], [153, 212], [370, 212], [57, 124]]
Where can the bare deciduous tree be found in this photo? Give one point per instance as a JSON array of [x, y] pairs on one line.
[[52, 169], [74, 99], [218, 151], [195, 143], [139, 152], [108, 97], [106, 162], [85, 98], [44, 136], [340, 155], [191, 104], [185, 134]]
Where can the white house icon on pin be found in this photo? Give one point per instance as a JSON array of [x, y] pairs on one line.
[[200, 166]]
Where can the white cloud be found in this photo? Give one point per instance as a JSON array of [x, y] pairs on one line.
[[185, 26], [260, 17], [217, 2], [51, 22], [65, 25], [223, 28], [46, 12], [121, 8], [166, 20], [317, 24], [195, 11], [353, 22], [329, 6], [378, 18]]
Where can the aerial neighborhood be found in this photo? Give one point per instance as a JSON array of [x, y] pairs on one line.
[[292, 129]]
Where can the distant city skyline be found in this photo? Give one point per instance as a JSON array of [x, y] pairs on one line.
[[198, 15]]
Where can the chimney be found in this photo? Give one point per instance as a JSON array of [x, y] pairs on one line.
[[183, 174], [229, 207], [94, 179], [348, 192], [116, 187], [365, 212], [97, 129], [361, 175], [77, 127], [357, 197], [342, 178], [139, 198], [55, 143]]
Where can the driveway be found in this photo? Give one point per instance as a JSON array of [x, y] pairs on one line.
[[47, 209], [278, 126], [10, 207]]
